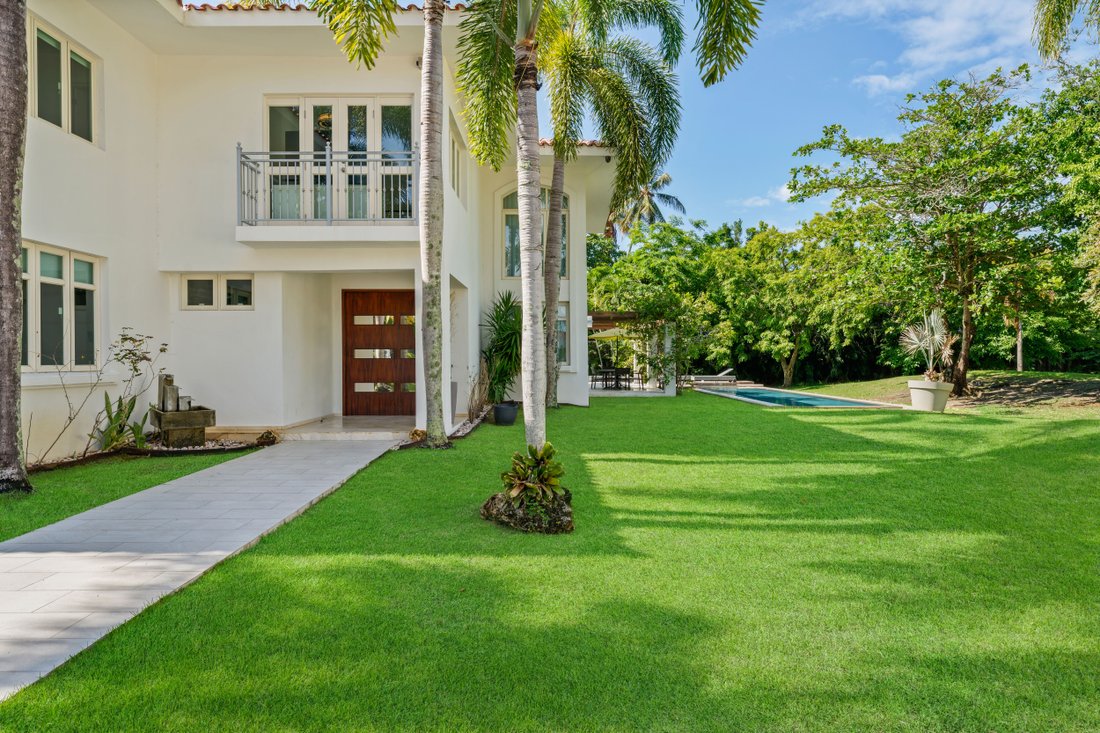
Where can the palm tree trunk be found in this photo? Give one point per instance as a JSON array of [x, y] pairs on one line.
[[528, 174], [554, 236], [13, 130], [431, 217]]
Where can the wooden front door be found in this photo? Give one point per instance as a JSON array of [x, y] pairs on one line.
[[379, 352]]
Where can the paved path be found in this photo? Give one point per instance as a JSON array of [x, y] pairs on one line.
[[64, 586]]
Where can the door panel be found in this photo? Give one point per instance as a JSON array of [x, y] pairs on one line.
[[379, 359]]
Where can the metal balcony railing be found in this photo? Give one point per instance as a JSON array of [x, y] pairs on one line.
[[326, 187]]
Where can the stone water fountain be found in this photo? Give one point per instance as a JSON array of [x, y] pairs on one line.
[[181, 424]]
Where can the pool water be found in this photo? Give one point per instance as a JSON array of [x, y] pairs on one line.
[[783, 398]]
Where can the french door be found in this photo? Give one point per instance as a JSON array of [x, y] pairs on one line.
[[370, 172]]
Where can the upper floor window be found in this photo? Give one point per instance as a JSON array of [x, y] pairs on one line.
[[60, 323], [511, 232], [62, 82]]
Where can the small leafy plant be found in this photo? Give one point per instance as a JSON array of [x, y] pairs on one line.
[[502, 350], [534, 480], [117, 428], [934, 342]]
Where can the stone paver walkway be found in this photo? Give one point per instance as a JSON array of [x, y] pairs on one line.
[[64, 586]]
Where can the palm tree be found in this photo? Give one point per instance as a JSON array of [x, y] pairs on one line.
[[498, 72], [633, 95], [361, 27], [644, 206], [1054, 19], [13, 133]]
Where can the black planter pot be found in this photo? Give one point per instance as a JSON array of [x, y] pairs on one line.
[[504, 413]]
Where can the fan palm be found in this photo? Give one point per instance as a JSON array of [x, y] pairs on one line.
[[1054, 19], [13, 131], [361, 27], [632, 93], [644, 206], [498, 72]]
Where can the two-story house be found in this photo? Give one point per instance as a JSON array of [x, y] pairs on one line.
[[227, 182]]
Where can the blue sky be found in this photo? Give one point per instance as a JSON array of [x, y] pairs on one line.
[[817, 62]]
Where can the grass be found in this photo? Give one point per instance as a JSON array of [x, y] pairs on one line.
[[63, 492], [733, 568]]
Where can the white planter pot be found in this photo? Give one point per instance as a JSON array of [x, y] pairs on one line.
[[929, 396]]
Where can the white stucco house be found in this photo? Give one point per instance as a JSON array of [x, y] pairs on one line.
[[225, 181]]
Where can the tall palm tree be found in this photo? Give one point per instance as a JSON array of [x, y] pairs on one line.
[[13, 133], [1054, 19], [498, 72], [633, 95], [643, 206], [361, 27]]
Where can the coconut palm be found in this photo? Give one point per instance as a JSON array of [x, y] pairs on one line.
[[498, 72], [644, 206], [13, 132], [361, 27], [1054, 19], [630, 91]]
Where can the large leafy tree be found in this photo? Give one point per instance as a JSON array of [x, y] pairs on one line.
[[499, 73], [630, 91], [361, 27], [13, 131], [1054, 21], [966, 190]]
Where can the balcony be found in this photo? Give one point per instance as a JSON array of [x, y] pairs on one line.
[[334, 196]]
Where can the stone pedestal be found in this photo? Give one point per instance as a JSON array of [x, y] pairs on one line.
[[183, 428]]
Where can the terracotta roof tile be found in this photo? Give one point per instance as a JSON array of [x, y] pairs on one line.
[[204, 7], [546, 142]]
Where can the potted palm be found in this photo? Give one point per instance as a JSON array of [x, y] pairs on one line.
[[502, 355], [932, 340]]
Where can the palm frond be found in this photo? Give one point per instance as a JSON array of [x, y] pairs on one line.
[[665, 16], [566, 63], [1054, 19], [484, 76], [726, 29], [359, 26], [671, 202], [656, 83]]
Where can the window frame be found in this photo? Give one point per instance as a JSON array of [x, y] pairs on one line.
[[506, 211], [563, 336], [220, 288], [69, 286], [68, 46]]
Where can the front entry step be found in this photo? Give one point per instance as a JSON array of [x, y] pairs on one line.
[[358, 427]]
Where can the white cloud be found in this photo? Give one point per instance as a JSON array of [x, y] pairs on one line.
[[777, 195], [941, 37], [755, 201]]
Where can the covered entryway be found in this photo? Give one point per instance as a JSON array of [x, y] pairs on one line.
[[379, 352]]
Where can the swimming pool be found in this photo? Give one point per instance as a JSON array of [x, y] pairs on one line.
[[786, 398]]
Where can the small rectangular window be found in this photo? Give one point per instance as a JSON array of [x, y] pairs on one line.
[[408, 320], [48, 77], [408, 354], [51, 324], [51, 265], [408, 386], [80, 96], [83, 271], [238, 292], [83, 327], [373, 353], [200, 293]]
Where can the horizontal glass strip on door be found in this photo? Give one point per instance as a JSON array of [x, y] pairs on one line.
[[384, 387], [383, 320], [374, 353]]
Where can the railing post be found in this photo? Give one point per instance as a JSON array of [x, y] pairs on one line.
[[329, 194], [240, 193]]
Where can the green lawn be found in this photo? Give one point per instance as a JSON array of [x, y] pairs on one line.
[[733, 568], [64, 492]]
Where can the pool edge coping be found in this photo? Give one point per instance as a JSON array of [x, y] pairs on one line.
[[864, 404]]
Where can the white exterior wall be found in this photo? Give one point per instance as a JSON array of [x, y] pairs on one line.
[[156, 198]]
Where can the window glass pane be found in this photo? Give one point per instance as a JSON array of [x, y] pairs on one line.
[[24, 341], [357, 128], [511, 201], [80, 96], [51, 327], [23, 259], [238, 292], [282, 129], [373, 353], [374, 386], [48, 77], [564, 244], [408, 320], [372, 320], [396, 128], [408, 386], [83, 272], [408, 354], [322, 127], [563, 334], [564, 201], [200, 292], [286, 193], [51, 265], [83, 327], [511, 245]]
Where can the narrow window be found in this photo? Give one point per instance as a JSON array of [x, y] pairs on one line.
[[511, 245], [563, 333], [51, 325], [48, 77], [25, 338], [238, 292], [80, 96], [83, 313], [200, 293]]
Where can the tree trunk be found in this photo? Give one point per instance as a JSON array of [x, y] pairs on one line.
[[532, 286], [788, 368], [963, 364], [554, 236], [13, 129], [431, 218], [1019, 343]]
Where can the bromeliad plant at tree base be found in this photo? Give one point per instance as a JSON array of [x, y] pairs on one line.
[[533, 499]]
